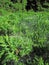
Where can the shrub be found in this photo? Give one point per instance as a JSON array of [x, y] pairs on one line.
[[18, 37]]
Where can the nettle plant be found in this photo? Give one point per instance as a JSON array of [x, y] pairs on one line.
[[14, 47], [8, 24], [21, 35], [12, 43], [36, 28]]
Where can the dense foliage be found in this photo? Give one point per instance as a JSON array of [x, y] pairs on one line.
[[24, 33], [24, 41], [15, 5]]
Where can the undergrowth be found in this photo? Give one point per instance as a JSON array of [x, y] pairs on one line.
[[23, 38]]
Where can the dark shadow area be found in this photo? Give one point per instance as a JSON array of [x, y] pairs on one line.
[[2, 33], [40, 52], [45, 6], [10, 62], [14, 1], [42, 3], [31, 5]]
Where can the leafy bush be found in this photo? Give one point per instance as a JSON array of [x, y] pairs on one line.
[[20, 36]]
